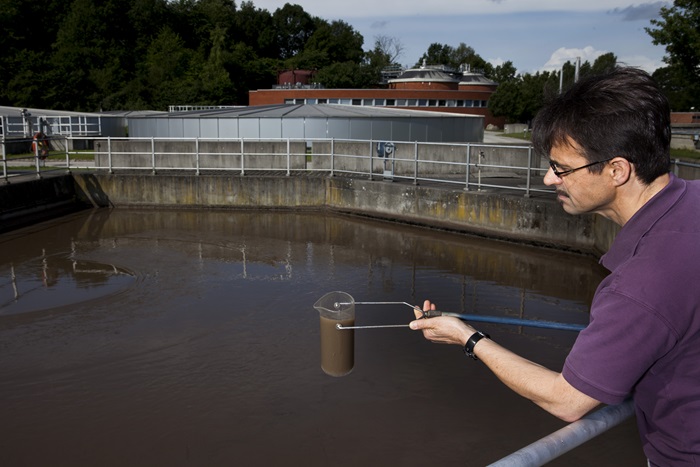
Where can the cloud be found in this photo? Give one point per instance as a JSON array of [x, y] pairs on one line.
[[563, 55], [643, 12], [379, 24], [640, 61]]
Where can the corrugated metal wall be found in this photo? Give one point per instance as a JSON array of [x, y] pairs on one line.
[[438, 129]]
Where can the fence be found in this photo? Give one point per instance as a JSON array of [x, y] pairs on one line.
[[27, 125], [469, 166]]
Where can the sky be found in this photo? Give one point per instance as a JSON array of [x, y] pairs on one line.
[[535, 35]]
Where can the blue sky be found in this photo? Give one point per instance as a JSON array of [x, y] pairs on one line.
[[533, 34]]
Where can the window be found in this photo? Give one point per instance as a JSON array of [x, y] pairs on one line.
[[289, 101], [323, 101], [442, 103], [422, 102], [357, 102], [412, 102], [390, 102], [379, 101], [401, 102], [432, 103], [311, 101]]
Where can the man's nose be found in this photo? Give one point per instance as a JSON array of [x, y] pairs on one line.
[[550, 178]]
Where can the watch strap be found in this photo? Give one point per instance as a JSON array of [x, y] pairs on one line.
[[469, 346]]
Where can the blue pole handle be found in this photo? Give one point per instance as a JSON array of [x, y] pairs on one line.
[[533, 323]]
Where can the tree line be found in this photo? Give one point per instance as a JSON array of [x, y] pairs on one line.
[[91, 55]]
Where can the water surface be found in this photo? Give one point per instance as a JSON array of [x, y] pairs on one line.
[[166, 338]]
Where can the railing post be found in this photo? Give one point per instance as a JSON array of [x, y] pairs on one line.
[[36, 158], [242, 158], [529, 172], [415, 162], [288, 157], [332, 155], [65, 146], [109, 154], [196, 153], [153, 154], [469, 155], [371, 159], [3, 122]]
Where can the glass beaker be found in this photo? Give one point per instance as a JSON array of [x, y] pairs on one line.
[[337, 345]]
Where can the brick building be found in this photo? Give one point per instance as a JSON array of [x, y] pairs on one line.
[[426, 88]]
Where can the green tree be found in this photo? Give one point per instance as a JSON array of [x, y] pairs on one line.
[[679, 31], [337, 41], [294, 27]]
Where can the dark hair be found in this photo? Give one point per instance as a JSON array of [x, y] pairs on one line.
[[620, 113]]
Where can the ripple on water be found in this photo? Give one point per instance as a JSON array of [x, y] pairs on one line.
[[58, 280]]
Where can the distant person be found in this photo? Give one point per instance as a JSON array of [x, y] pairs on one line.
[[608, 142], [40, 145]]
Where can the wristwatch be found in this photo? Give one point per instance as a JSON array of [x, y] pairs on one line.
[[469, 346]]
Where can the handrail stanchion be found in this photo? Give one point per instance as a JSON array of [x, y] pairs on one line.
[[65, 146], [109, 154], [3, 123], [562, 441], [196, 154], [529, 172], [242, 157], [415, 162], [371, 159], [332, 155], [469, 169], [153, 155], [36, 159], [289, 158]]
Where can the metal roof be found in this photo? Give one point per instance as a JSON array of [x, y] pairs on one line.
[[310, 110]]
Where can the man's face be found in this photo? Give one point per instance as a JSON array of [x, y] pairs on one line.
[[579, 191]]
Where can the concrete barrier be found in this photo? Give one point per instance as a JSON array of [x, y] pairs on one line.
[[537, 221], [515, 218]]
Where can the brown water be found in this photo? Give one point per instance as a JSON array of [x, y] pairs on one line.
[[337, 346], [167, 338]]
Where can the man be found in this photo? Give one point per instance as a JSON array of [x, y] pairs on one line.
[[608, 141]]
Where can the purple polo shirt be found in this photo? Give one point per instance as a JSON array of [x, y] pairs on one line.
[[643, 339]]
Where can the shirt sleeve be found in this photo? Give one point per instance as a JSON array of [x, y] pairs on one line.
[[622, 341]]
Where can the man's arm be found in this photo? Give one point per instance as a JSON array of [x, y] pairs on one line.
[[544, 387]]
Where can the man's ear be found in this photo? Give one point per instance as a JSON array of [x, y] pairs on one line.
[[621, 170]]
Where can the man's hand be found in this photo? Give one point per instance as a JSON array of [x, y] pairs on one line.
[[442, 329]]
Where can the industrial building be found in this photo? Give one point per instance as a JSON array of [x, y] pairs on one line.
[[437, 89]]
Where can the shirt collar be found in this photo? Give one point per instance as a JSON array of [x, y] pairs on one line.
[[642, 221]]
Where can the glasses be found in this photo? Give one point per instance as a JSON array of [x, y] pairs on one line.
[[560, 174]]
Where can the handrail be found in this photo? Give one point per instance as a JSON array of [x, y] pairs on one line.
[[564, 440], [462, 165]]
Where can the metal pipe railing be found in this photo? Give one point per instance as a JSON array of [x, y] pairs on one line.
[[562, 441], [421, 165]]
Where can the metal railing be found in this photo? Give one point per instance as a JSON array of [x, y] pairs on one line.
[[562, 441], [468, 166], [57, 125]]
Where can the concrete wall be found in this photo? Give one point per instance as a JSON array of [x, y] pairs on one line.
[[30, 201], [538, 222]]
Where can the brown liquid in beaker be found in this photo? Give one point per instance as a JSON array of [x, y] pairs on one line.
[[337, 347]]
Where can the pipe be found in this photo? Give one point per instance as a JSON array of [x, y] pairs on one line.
[[533, 323], [555, 444]]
